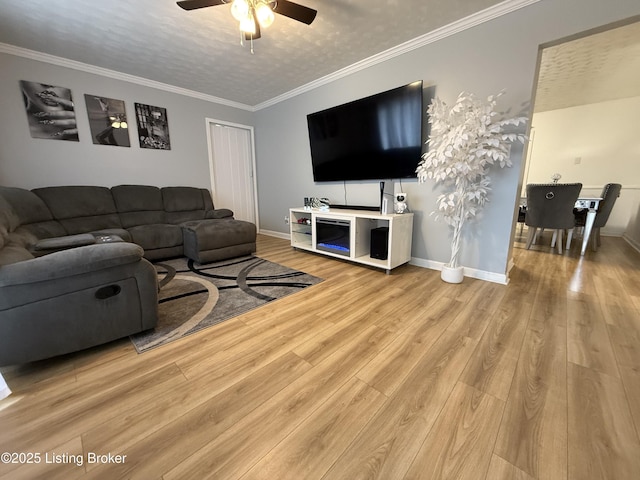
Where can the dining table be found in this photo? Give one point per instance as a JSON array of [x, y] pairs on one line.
[[591, 205]]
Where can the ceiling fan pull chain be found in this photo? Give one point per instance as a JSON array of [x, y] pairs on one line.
[[251, 44], [241, 39]]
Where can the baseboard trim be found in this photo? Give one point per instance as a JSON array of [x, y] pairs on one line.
[[502, 279], [634, 244], [271, 233]]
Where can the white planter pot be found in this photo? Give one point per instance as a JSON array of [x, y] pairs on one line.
[[452, 275]]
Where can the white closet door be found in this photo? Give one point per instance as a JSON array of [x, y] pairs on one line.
[[232, 170]]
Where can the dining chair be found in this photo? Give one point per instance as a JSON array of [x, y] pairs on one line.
[[550, 206], [609, 195]]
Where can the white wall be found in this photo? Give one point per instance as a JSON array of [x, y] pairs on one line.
[[499, 54], [30, 162], [591, 144]]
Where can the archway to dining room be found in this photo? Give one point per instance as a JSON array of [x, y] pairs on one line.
[[584, 124]]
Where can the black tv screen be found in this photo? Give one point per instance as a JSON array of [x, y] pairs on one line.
[[374, 138]]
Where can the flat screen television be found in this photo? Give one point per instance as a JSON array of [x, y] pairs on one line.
[[373, 138]]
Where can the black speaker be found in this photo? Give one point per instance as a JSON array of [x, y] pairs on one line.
[[380, 243]]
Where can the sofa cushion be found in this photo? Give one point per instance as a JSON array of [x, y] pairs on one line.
[[206, 199], [9, 220], [81, 209], [183, 204], [151, 237], [31, 216], [28, 206], [139, 205], [13, 253]]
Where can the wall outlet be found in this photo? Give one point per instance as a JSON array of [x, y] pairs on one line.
[[577, 160], [286, 220]]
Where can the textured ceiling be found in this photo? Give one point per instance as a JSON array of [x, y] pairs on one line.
[[597, 68], [200, 50]]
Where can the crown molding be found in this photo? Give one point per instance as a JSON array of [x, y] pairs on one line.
[[458, 26], [125, 77]]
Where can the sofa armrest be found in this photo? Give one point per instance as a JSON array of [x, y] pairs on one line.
[[219, 213], [66, 263], [70, 241]]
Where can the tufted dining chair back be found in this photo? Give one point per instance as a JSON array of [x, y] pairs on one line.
[[550, 206]]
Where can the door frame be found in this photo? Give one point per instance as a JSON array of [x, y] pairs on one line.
[[210, 122]]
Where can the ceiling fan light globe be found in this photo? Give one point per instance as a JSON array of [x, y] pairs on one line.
[[264, 14], [240, 9], [247, 25]]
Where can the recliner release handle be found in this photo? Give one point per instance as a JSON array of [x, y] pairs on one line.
[[107, 292]]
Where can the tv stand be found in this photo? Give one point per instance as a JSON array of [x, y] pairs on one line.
[[304, 234]]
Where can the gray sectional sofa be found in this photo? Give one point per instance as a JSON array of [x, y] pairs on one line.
[[74, 260]]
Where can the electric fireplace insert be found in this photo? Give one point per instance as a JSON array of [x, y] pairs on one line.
[[333, 235]]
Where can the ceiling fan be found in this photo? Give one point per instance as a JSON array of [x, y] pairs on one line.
[[254, 14]]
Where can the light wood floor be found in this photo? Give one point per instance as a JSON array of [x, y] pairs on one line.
[[365, 375]]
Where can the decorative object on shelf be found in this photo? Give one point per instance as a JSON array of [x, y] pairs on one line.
[[315, 202], [466, 140], [50, 111], [253, 15], [107, 121], [401, 203], [153, 127]]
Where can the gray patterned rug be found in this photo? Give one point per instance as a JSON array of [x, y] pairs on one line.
[[194, 296]]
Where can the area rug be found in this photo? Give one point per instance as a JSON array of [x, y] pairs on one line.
[[194, 296]]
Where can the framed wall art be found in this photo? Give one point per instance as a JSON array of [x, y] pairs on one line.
[[50, 111], [107, 121], [153, 127]]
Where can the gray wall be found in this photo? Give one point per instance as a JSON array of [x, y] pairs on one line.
[[28, 162], [500, 54]]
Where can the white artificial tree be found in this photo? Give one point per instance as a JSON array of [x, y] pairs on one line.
[[465, 141]]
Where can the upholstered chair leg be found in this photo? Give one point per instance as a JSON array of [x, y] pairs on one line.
[[559, 241], [531, 236], [569, 238], [595, 239]]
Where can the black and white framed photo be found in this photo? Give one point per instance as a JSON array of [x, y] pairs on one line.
[[107, 121], [153, 127], [50, 111]]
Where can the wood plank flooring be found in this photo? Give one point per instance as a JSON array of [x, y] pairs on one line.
[[364, 376]]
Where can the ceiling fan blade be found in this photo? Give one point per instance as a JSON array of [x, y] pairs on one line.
[[194, 4], [297, 12]]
